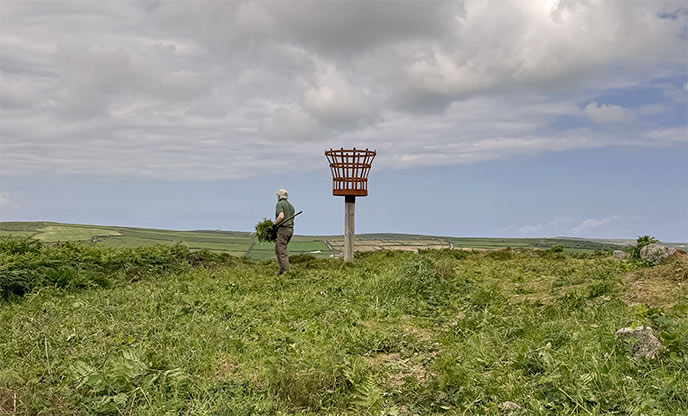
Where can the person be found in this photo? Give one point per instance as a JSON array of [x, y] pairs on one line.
[[284, 211]]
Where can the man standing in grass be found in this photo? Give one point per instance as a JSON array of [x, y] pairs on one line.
[[285, 229]]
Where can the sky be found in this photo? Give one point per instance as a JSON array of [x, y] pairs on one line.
[[490, 118]]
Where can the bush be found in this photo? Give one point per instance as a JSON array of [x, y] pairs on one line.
[[19, 245], [505, 254], [643, 241], [557, 249], [26, 264]]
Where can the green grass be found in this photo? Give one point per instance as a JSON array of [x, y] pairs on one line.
[[296, 246], [131, 242], [235, 242], [6, 233], [112, 236], [53, 233], [266, 250], [440, 332]]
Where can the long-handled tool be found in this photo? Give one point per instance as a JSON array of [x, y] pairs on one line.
[[283, 221]]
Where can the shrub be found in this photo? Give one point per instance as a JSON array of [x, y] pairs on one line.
[[26, 265], [505, 254], [19, 245], [557, 249], [641, 242]]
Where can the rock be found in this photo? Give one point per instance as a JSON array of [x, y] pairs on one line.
[[619, 254], [655, 253], [641, 340], [510, 406]]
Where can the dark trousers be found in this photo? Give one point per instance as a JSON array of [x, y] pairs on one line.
[[283, 237]]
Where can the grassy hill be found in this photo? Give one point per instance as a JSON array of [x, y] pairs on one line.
[[88, 329], [243, 243]]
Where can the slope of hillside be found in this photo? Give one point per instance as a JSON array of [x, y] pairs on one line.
[[167, 330]]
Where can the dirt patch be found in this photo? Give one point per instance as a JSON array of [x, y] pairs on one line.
[[8, 401], [422, 334], [225, 368], [383, 358], [397, 369], [659, 286]]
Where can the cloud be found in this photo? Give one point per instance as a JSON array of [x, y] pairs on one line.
[[287, 123], [607, 113], [163, 89], [551, 228], [336, 102], [4, 199], [594, 225], [668, 135], [610, 226]]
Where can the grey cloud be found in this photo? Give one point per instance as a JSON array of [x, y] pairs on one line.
[[329, 28], [607, 113], [208, 89]]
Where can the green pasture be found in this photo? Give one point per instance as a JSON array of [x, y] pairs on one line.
[[239, 243], [54, 233], [267, 250], [6, 233], [130, 242]]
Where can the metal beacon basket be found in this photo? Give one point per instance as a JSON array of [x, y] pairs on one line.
[[350, 168]]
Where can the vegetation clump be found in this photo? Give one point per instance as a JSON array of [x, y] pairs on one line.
[[266, 231], [641, 242], [27, 264]]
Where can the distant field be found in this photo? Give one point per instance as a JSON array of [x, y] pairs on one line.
[[53, 233], [244, 243], [316, 248]]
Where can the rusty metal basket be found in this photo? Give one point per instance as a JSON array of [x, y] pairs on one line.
[[350, 169]]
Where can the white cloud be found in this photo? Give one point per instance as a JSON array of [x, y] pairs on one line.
[[594, 225], [336, 102], [4, 199], [610, 226], [540, 229], [668, 135], [552, 228], [289, 123], [607, 113]]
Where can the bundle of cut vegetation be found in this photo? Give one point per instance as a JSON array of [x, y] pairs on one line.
[[266, 231]]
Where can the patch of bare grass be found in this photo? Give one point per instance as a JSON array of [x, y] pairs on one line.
[[397, 369], [661, 286], [226, 368]]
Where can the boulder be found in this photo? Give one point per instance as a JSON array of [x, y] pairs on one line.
[[641, 341], [619, 254], [655, 253]]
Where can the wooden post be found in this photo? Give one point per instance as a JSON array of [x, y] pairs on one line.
[[349, 226]]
